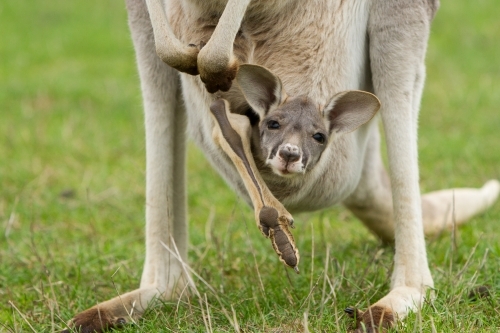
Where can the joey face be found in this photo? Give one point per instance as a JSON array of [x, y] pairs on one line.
[[293, 131], [292, 137]]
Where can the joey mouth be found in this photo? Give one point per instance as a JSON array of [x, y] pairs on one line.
[[287, 170]]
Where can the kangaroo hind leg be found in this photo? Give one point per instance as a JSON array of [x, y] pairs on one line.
[[163, 276]]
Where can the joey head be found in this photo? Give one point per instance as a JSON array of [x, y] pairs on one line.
[[295, 131]]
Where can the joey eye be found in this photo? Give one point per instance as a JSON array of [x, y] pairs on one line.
[[319, 137], [272, 124]]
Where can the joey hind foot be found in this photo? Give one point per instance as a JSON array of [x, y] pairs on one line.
[[275, 227], [376, 319], [94, 320]]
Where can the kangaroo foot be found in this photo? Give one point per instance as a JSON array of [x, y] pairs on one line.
[[95, 320], [394, 306], [114, 313], [376, 319]]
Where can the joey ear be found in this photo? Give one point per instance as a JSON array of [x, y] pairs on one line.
[[350, 109], [261, 88]]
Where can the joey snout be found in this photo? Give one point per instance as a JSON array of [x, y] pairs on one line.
[[289, 153], [288, 160]]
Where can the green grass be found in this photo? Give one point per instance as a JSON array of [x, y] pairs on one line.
[[72, 189]]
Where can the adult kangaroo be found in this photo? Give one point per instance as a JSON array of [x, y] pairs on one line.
[[272, 92]]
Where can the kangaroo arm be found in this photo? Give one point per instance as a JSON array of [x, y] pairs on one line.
[[170, 49], [215, 62]]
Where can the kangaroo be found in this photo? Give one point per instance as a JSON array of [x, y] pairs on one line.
[[295, 132]]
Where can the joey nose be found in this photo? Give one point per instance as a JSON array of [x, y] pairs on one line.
[[289, 153]]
